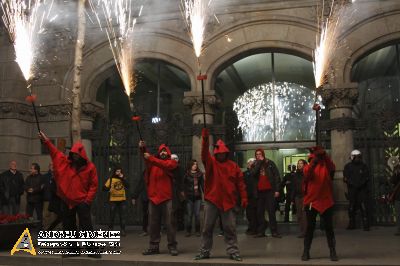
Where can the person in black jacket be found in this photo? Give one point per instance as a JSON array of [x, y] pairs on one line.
[[266, 188], [287, 182], [251, 209], [178, 196], [356, 175], [140, 192], [193, 184], [11, 189], [34, 189], [395, 180]]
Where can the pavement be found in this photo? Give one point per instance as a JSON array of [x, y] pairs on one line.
[[376, 247]]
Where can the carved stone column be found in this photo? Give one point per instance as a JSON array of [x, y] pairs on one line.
[[340, 101], [194, 101]]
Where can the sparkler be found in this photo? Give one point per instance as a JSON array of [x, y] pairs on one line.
[[327, 43], [24, 20], [121, 40], [293, 114], [197, 14]]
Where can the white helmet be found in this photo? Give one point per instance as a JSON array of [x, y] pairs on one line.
[[355, 153], [250, 160]]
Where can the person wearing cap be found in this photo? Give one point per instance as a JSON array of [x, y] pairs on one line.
[[356, 175], [223, 184], [251, 210], [158, 177], [266, 189], [318, 199]]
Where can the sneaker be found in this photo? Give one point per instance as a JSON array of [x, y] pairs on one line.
[[151, 251], [173, 252], [202, 256], [235, 257], [221, 233]]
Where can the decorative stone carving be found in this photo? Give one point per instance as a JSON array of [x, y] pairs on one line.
[[196, 103], [24, 111], [341, 97]]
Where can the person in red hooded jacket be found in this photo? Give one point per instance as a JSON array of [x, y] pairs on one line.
[[76, 180], [223, 184], [158, 177], [318, 199]]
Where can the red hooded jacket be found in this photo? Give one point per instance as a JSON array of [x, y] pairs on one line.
[[318, 183], [223, 180], [73, 187], [158, 177]]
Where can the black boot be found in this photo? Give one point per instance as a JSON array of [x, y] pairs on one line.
[[333, 255], [306, 254]]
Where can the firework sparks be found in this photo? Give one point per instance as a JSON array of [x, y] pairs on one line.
[[196, 14], [24, 21], [120, 39], [327, 41], [293, 112]]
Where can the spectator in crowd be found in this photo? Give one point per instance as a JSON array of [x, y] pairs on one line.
[[140, 193], [287, 182], [117, 186], [251, 210], [266, 187], [298, 187], [356, 176], [34, 193], [11, 189], [193, 183], [395, 180]]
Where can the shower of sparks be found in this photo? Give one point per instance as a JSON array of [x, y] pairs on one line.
[[197, 14], [327, 40], [24, 21], [121, 39], [294, 117]]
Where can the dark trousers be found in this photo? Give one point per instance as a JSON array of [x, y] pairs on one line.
[[120, 208], [251, 215], [11, 206], [228, 219], [289, 205], [358, 199], [145, 215], [193, 210], [327, 218], [69, 221], [156, 213], [301, 215], [38, 208], [266, 201]]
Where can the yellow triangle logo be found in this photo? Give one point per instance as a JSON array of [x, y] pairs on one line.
[[24, 243]]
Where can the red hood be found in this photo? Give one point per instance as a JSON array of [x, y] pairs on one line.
[[163, 146], [79, 149], [220, 147]]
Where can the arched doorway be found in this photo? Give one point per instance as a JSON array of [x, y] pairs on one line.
[[157, 99], [377, 110], [267, 102]]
